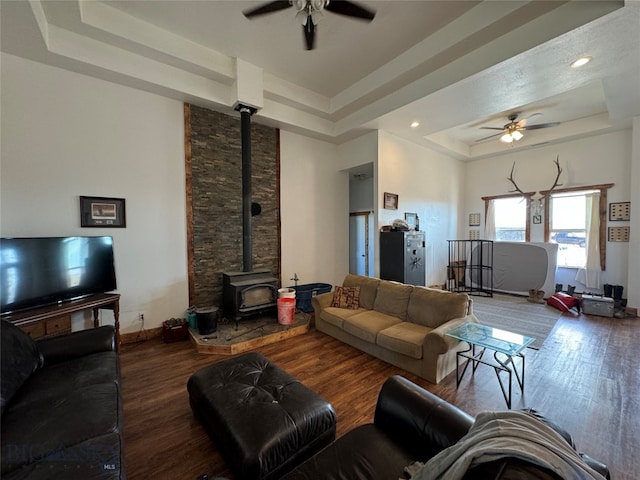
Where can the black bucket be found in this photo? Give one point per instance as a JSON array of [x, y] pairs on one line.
[[207, 320]]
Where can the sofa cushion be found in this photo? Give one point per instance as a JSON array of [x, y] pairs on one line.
[[64, 379], [405, 338], [62, 406], [367, 324], [393, 298], [346, 297], [367, 451], [432, 308], [335, 316], [20, 358], [368, 288]]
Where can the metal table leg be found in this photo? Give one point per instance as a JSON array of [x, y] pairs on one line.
[[510, 369], [507, 365]]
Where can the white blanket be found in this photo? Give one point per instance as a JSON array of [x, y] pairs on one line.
[[497, 435]]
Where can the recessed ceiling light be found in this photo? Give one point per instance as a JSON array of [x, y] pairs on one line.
[[415, 124], [581, 61]]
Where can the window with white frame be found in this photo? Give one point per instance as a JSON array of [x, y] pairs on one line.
[[567, 227], [510, 215]]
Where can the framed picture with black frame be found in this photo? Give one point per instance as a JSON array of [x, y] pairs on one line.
[[104, 212]]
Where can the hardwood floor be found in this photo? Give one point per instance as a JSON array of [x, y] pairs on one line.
[[586, 377]]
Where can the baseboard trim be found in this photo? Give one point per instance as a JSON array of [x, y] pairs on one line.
[[141, 336]]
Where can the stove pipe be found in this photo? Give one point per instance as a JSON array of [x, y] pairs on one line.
[[245, 130]]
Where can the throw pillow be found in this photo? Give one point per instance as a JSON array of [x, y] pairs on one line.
[[346, 297], [20, 358]]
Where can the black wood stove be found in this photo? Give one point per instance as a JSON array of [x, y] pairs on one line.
[[249, 292]]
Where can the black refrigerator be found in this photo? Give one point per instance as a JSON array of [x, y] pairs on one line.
[[402, 257]]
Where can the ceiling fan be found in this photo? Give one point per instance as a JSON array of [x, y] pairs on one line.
[[310, 13], [512, 131]]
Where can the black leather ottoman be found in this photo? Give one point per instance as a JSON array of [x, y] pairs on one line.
[[262, 419]]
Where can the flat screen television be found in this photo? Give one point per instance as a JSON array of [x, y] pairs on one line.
[[44, 271]]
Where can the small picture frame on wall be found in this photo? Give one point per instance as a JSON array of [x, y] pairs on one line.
[[102, 212], [474, 219], [619, 234], [410, 218], [390, 201], [537, 219], [620, 212]]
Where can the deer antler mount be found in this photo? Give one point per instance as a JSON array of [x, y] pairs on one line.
[[547, 192]]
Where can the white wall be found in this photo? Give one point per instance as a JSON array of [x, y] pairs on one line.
[[359, 151], [594, 160], [361, 196], [427, 183], [314, 203], [66, 135]]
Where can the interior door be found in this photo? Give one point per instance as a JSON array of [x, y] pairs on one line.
[[359, 243]]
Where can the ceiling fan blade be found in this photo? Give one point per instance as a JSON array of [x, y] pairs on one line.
[[490, 136], [350, 9], [309, 31], [524, 121], [540, 125], [269, 7], [492, 128]]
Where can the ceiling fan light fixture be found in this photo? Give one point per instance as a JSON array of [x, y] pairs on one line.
[[310, 12], [514, 130], [581, 61]]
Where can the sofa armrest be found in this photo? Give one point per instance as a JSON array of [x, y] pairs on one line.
[[436, 341], [77, 344], [597, 465], [322, 301], [419, 420]]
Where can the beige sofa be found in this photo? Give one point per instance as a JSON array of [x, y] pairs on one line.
[[401, 324]]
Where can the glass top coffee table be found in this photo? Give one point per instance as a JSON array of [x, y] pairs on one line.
[[505, 345]]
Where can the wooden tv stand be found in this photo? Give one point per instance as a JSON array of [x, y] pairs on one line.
[[56, 319]]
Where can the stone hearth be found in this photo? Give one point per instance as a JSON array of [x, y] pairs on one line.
[[231, 338]]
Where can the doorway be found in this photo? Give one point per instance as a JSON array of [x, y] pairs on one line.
[[360, 245], [361, 220]]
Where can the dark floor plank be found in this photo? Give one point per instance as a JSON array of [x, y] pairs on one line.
[[586, 377]]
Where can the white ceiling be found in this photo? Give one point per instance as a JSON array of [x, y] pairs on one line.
[[454, 66]]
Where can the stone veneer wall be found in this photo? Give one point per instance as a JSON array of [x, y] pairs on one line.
[[214, 173]]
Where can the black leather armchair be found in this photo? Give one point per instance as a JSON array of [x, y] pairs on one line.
[[410, 424]]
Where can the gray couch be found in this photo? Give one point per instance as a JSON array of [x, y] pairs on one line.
[[401, 324]]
